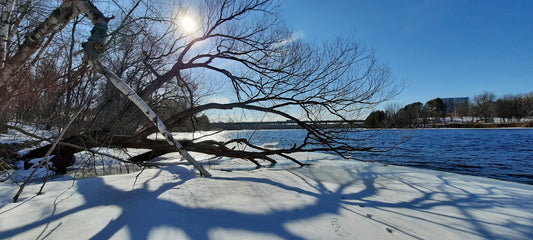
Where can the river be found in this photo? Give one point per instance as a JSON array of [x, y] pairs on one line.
[[505, 154]]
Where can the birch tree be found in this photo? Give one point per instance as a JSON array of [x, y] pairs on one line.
[[4, 29], [245, 45], [94, 47]]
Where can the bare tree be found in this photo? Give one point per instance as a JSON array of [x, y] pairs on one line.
[[463, 110], [244, 44], [484, 106]]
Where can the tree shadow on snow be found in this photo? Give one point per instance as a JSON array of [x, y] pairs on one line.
[[355, 189]]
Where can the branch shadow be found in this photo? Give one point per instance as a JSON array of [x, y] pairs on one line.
[[354, 189], [466, 200]]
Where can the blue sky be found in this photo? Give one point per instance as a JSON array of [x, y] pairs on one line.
[[439, 48]]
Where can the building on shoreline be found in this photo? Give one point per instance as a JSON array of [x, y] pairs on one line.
[[451, 104]]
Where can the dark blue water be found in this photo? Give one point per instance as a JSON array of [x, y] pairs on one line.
[[505, 154]]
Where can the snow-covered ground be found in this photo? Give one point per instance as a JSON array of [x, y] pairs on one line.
[[332, 199]]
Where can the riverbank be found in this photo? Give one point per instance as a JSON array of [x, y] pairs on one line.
[[279, 125], [332, 199], [478, 125]]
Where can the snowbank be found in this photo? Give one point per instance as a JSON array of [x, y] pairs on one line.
[[332, 199]]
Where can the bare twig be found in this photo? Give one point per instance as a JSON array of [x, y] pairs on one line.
[[45, 159]]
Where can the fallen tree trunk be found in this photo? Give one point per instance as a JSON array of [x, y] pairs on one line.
[[64, 153], [137, 100], [94, 47]]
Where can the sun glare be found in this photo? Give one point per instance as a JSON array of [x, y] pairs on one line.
[[188, 24]]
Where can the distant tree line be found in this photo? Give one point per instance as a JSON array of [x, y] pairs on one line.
[[483, 108]]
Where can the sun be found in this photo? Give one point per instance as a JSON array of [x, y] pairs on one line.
[[188, 24]]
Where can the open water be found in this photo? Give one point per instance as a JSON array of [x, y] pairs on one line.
[[505, 154]]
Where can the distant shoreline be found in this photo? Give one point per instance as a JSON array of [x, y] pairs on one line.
[[478, 125], [291, 125]]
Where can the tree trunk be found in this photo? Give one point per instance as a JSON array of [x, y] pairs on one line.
[[96, 46], [126, 90], [64, 153], [4, 30], [57, 20]]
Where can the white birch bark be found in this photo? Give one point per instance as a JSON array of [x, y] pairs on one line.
[[57, 20], [93, 48], [4, 30], [134, 97]]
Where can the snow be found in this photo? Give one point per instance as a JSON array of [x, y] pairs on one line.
[[14, 136], [332, 199]]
